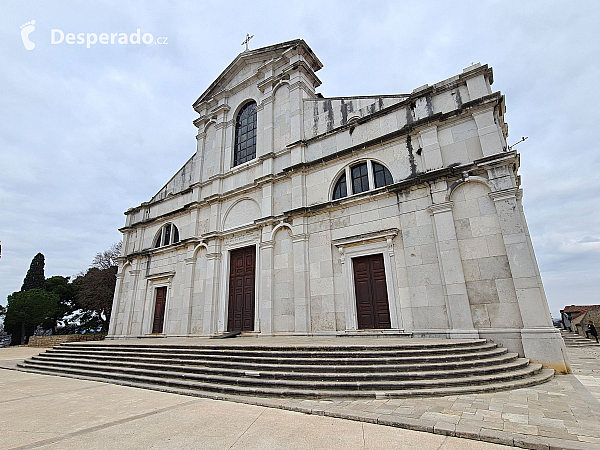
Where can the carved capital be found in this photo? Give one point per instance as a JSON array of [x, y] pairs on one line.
[[505, 194], [440, 208], [299, 237], [266, 244], [390, 247]]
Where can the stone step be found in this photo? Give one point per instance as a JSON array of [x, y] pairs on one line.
[[409, 345], [257, 386], [499, 357], [268, 358], [321, 370], [333, 375], [286, 352]]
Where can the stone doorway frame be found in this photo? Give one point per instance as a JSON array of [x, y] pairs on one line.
[[364, 245], [156, 281], [223, 307], [229, 300]]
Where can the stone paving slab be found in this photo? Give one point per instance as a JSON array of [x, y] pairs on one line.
[[50, 412]]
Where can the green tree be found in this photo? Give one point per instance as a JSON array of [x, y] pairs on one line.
[[66, 300], [35, 275], [26, 310], [2, 314], [94, 290]]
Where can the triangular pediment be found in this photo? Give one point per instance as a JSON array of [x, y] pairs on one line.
[[248, 62]]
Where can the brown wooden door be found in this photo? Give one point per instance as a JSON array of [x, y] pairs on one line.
[[241, 290], [372, 306], [159, 310]]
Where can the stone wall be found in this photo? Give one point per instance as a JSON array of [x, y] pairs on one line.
[[51, 341], [593, 315]]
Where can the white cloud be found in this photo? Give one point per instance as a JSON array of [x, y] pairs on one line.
[[86, 134]]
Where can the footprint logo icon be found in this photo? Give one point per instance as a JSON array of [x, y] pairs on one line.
[[26, 30]]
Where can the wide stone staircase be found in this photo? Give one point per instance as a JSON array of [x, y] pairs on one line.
[[576, 340], [414, 367]]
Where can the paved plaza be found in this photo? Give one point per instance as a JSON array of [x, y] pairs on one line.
[[42, 411]]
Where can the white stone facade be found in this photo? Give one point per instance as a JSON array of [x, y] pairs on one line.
[[456, 249]]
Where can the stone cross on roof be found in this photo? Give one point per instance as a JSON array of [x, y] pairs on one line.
[[247, 41]]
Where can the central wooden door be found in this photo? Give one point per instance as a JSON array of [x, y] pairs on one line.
[[372, 307], [159, 310], [241, 290]]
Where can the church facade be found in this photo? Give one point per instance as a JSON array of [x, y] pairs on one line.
[[305, 215]]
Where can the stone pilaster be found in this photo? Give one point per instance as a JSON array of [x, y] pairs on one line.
[[432, 153], [114, 314], [131, 305], [301, 287], [211, 297], [541, 341], [265, 312], [188, 295], [298, 189], [453, 278], [490, 134], [200, 138], [264, 124]]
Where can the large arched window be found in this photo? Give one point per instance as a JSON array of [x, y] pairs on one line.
[[361, 177], [168, 234], [245, 134]]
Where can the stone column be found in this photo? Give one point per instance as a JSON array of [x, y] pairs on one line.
[[453, 278], [265, 312], [301, 280], [541, 341]]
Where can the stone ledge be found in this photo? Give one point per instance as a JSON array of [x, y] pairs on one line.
[[51, 341]]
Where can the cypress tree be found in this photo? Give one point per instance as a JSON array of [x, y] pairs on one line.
[[35, 275]]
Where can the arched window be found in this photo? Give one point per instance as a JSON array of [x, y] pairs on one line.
[[382, 175], [168, 234], [245, 134], [361, 176], [340, 189]]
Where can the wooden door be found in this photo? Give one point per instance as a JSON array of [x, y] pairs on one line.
[[159, 310], [241, 289], [372, 307]]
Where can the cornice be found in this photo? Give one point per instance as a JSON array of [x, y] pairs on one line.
[[367, 237]]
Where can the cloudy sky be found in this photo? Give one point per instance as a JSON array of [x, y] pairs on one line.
[[86, 133]]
